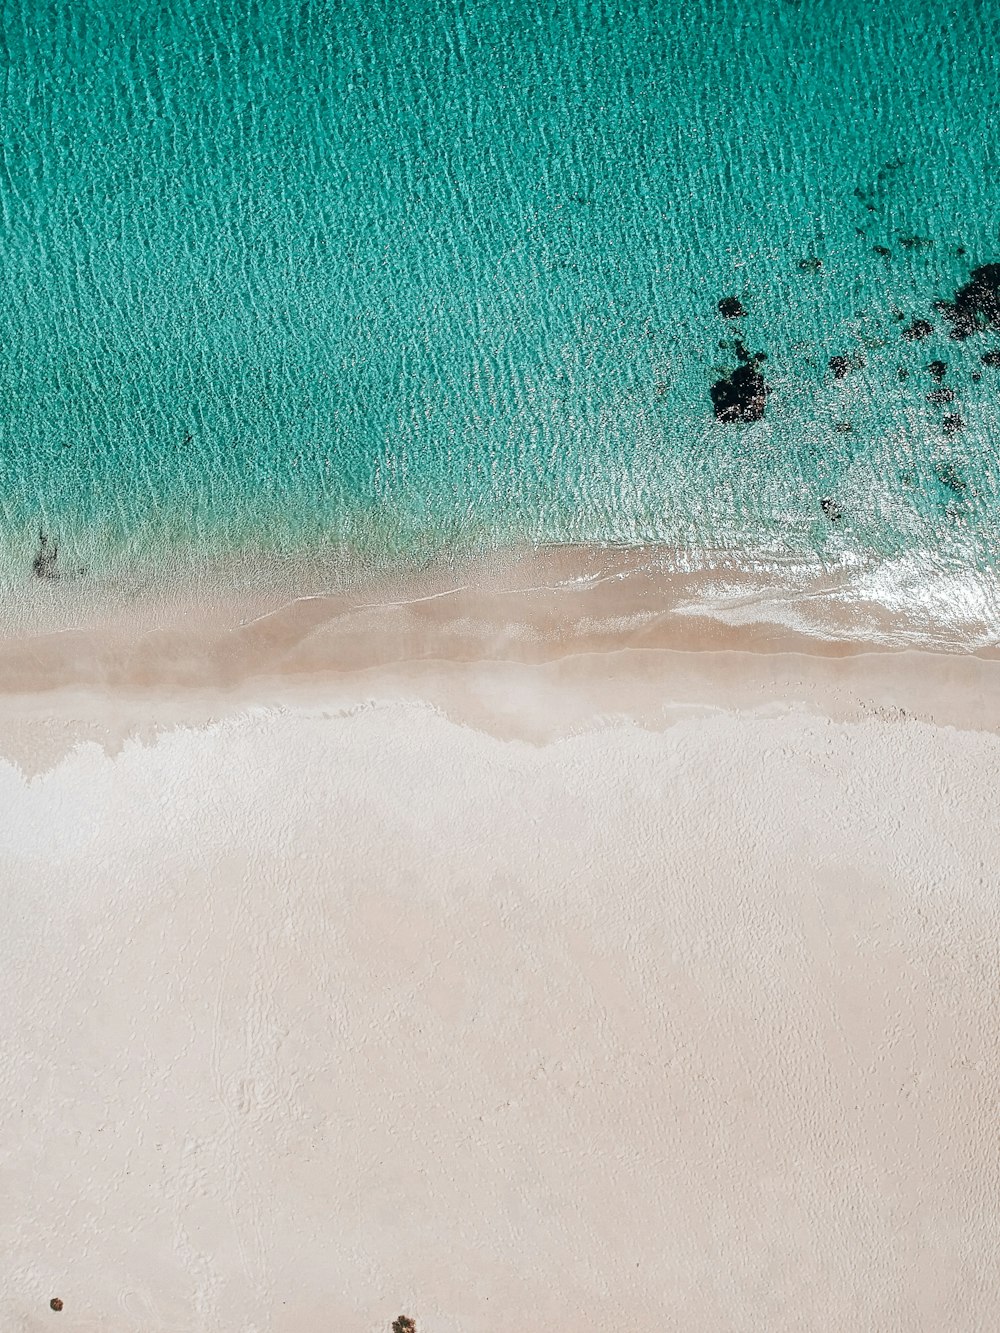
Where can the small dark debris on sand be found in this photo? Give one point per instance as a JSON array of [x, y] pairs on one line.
[[731, 307], [830, 509], [918, 330], [941, 396], [938, 370], [55, 1304], [741, 396], [991, 358], [404, 1324], [44, 564], [976, 305], [839, 365], [952, 424], [843, 428]]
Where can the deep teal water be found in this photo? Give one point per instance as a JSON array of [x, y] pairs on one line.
[[408, 277]]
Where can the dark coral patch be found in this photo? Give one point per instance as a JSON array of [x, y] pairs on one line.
[[731, 307], [976, 306], [740, 396], [918, 330]]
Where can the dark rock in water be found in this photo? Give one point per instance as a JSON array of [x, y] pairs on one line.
[[941, 396], [948, 475], [830, 509], [918, 330], [741, 395], [938, 370], [902, 373], [810, 264], [843, 428], [731, 307], [952, 423], [976, 377], [741, 352], [991, 359], [44, 564], [839, 365], [976, 306], [960, 251], [882, 250]]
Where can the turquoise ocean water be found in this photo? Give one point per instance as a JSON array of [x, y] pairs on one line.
[[405, 278]]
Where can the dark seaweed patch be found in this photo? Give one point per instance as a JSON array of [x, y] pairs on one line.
[[731, 307], [938, 370], [740, 396], [811, 264], [976, 305], [45, 564], [902, 373], [830, 509], [918, 330], [839, 365], [952, 423], [915, 242], [991, 358], [882, 250], [948, 475]]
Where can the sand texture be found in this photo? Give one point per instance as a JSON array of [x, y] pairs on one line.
[[624, 990]]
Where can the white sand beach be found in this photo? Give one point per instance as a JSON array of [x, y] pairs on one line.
[[509, 981]]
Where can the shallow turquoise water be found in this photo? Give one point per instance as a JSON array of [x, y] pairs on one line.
[[411, 277]]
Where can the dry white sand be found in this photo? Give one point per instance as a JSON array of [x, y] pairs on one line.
[[680, 1014]]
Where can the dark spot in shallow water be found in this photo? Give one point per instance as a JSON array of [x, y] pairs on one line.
[[839, 365], [44, 564], [941, 396], [843, 428], [976, 305], [918, 330], [811, 264], [902, 373], [948, 475], [991, 358], [882, 250], [915, 242], [740, 396], [938, 370], [830, 509], [952, 423], [731, 307], [976, 377]]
